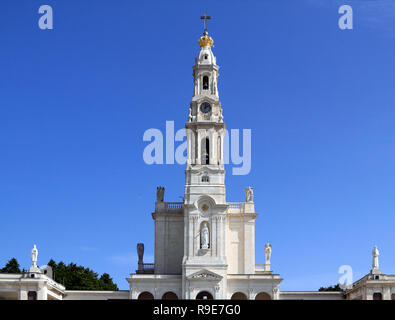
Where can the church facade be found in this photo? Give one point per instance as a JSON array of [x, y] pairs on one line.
[[205, 245]]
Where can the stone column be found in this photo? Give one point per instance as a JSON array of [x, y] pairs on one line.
[[222, 147], [191, 293], [217, 292], [42, 293], [22, 295], [368, 294], [213, 148], [191, 231], [189, 146], [195, 237], [214, 242], [387, 293], [221, 238], [275, 292], [249, 248], [199, 148], [250, 294]]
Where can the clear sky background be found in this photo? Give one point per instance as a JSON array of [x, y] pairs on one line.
[[75, 102]]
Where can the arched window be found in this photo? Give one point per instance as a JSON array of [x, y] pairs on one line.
[[169, 296], [205, 83], [205, 151], [204, 295], [262, 296], [238, 296], [146, 296], [377, 296]]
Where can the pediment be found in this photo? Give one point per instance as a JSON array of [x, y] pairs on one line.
[[204, 98], [199, 169], [205, 275]]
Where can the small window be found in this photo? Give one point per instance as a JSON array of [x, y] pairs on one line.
[[32, 295], [206, 151], [205, 83], [377, 296], [205, 179], [205, 57]]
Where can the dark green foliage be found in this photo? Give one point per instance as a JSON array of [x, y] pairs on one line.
[[12, 266], [331, 288], [75, 277]]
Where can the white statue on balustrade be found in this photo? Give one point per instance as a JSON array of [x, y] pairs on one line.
[[268, 253], [34, 255], [249, 194], [375, 254]]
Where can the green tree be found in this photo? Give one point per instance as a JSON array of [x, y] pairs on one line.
[[75, 277], [107, 283], [12, 266], [331, 288]]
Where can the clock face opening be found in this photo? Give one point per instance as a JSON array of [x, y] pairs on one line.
[[205, 107]]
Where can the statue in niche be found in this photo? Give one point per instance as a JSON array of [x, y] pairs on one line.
[[34, 255], [249, 194], [160, 194], [204, 237]]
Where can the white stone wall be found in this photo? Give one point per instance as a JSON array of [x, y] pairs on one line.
[[96, 295], [169, 243], [240, 244]]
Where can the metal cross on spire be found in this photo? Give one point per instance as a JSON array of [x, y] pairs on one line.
[[205, 18]]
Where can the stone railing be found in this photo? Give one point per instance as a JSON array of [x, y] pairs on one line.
[[146, 268], [178, 207], [174, 205], [236, 207], [240, 207], [169, 207]]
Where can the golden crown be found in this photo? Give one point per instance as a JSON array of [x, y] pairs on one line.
[[206, 41]]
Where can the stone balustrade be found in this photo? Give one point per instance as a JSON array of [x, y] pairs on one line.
[[146, 268], [235, 207], [240, 207], [169, 207], [178, 207]]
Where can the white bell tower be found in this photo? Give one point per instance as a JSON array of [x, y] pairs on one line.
[[204, 263]]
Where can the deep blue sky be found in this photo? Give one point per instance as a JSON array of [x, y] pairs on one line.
[[75, 102]]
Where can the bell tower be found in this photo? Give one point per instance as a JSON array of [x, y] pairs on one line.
[[204, 262], [205, 129]]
